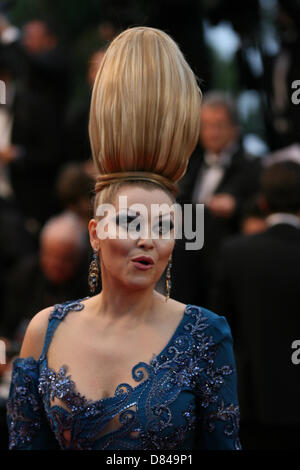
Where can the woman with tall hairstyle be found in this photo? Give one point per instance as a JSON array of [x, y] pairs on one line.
[[128, 368]]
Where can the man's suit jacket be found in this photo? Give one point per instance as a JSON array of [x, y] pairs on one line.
[[192, 271], [258, 290], [37, 133], [240, 177]]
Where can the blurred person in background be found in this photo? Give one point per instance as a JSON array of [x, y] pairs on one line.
[[253, 217], [222, 176], [108, 30], [33, 151], [219, 168], [77, 141], [58, 273], [257, 289], [38, 57], [16, 242], [282, 114], [277, 72], [74, 189], [77, 144]]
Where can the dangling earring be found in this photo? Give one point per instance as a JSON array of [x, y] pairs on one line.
[[168, 280], [93, 278]]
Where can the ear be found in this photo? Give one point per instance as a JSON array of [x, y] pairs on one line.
[[94, 240]]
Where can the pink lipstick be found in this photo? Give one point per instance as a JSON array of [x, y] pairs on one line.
[[143, 262]]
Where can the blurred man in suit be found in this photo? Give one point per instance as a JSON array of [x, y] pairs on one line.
[[221, 176], [218, 171], [257, 289]]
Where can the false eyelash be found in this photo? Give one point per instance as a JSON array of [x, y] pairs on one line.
[[127, 219], [163, 225]]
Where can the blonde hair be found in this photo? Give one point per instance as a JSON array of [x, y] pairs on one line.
[[145, 108]]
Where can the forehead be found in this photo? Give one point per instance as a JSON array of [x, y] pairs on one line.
[[138, 195], [216, 111], [35, 27]]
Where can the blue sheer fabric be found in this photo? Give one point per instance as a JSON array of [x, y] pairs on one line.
[[185, 398]]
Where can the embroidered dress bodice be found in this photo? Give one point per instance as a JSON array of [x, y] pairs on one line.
[[185, 398]]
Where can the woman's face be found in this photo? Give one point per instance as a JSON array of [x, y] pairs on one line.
[[117, 253]]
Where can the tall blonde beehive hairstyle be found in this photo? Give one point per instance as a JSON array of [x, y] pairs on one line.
[[145, 107]]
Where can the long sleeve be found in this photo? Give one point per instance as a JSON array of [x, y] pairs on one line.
[[28, 427], [218, 400]]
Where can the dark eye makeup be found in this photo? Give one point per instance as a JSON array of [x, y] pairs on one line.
[[126, 219], [164, 227]]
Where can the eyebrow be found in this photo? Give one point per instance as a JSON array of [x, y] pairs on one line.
[[129, 212], [137, 213], [123, 213]]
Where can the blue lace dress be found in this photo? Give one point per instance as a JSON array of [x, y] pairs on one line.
[[185, 398]]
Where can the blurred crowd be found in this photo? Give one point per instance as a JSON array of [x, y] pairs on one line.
[[247, 269]]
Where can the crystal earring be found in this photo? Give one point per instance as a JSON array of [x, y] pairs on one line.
[[93, 278], [168, 280]]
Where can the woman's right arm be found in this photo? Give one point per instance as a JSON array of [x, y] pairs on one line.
[[28, 427], [35, 335]]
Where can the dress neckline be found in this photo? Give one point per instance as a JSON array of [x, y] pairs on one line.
[[98, 402]]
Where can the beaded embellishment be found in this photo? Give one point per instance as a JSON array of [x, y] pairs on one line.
[[182, 389]]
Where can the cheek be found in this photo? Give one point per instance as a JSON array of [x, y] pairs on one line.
[[114, 253], [165, 249]]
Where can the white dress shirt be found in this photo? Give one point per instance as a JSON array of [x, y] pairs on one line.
[[211, 176], [283, 218]]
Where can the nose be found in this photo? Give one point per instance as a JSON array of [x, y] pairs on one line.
[[145, 242]]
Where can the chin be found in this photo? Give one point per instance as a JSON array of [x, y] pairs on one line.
[[139, 283]]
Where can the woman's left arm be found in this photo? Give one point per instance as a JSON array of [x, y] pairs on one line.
[[217, 392]]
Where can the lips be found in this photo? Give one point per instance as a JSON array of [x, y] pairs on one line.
[[143, 262]]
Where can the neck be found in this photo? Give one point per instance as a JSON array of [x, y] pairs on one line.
[[117, 301]]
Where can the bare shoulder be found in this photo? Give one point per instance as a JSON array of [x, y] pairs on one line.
[[35, 334], [169, 316], [172, 308], [176, 308]]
